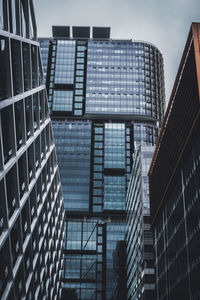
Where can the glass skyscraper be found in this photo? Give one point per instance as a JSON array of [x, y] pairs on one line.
[[31, 206], [104, 96]]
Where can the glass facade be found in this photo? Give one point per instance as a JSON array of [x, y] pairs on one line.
[[121, 79], [145, 134], [115, 231], [82, 268], [175, 183], [44, 49], [176, 242], [114, 146], [63, 100], [31, 203], [73, 144], [114, 192], [117, 102], [139, 238], [65, 60]]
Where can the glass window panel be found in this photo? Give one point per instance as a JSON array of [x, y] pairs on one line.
[[5, 76], [63, 100]]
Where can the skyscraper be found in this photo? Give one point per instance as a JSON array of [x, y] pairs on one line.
[[139, 238], [31, 206], [104, 96], [174, 178]]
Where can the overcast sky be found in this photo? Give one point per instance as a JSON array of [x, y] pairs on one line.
[[165, 23]]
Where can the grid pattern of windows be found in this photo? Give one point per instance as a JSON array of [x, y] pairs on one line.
[[81, 266], [122, 79], [79, 99], [81, 236], [114, 192], [139, 238], [114, 146], [11, 14], [22, 72], [31, 207], [84, 266], [177, 230], [44, 48], [98, 167], [145, 134], [73, 145], [62, 100], [65, 62], [115, 232]]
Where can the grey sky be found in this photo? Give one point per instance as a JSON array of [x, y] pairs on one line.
[[165, 23]]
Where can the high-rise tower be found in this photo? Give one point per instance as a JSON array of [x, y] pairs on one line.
[[31, 207], [104, 96]]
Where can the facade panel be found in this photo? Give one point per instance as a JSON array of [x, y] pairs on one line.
[[122, 79], [82, 269], [118, 91], [31, 207], [139, 238], [73, 144], [175, 198]]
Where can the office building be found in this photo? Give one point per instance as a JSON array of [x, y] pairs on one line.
[[139, 238], [104, 96], [31, 206], [174, 178]]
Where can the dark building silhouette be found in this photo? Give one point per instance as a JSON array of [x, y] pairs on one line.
[[104, 96], [175, 183], [31, 206], [69, 294], [119, 264]]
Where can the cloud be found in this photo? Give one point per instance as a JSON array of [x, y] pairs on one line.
[[164, 23]]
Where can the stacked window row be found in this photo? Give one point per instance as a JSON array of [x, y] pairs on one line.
[[36, 222], [119, 76], [178, 232], [21, 68], [145, 134], [44, 48], [111, 165], [133, 219], [114, 192], [98, 167], [67, 76], [73, 145], [115, 232], [51, 74], [114, 148], [20, 122], [140, 271], [81, 54], [65, 61], [62, 101], [18, 18], [20, 177], [82, 268]]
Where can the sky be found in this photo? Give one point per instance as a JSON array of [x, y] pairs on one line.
[[165, 23]]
